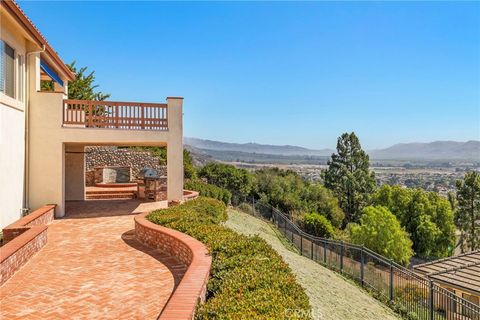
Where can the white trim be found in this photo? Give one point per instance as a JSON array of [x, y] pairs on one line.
[[11, 102]]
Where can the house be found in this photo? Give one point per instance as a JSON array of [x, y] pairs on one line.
[[43, 134], [458, 274]]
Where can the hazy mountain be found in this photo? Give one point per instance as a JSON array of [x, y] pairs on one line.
[[250, 147], [437, 150]]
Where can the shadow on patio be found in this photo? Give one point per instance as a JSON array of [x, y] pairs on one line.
[[108, 208]]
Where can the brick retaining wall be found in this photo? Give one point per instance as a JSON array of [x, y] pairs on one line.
[[24, 238], [193, 286]]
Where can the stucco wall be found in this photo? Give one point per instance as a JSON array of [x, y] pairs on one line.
[[12, 135], [12, 146]]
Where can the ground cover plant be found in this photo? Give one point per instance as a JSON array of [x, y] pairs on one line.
[[248, 279]]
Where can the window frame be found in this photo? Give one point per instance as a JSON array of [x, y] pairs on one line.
[[19, 76]]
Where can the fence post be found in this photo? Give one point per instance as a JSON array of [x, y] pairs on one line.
[[341, 256], [325, 251], [430, 300], [301, 245], [253, 205], [391, 281], [362, 267], [311, 249]]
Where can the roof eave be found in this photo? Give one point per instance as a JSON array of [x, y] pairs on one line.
[[22, 19]]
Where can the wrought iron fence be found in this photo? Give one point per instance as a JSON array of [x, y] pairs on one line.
[[414, 296]]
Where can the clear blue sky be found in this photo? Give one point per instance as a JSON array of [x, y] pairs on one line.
[[285, 73]]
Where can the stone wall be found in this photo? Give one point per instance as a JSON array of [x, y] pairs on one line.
[[120, 157]]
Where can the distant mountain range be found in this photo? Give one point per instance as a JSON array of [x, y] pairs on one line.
[[437, 150], [285, 150]]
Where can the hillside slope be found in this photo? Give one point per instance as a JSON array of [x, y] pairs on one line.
[[331, 296]]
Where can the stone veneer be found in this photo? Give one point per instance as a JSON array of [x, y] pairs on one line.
[[194, 254], [119, 157]]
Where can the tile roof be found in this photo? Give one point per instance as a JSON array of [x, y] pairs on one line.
[[461, 271]]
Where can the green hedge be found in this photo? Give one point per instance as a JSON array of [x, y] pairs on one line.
[[209, 190], [248, 279], [316, 224]]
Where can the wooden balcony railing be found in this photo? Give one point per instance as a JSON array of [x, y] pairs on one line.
[[115, 115]]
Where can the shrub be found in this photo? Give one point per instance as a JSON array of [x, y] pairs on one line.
[[318, 225], [209, 190], [248, 279], [245, 207]]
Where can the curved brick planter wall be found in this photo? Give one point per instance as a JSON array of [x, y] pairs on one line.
[[193, 286], [189, 195], [24, 238]]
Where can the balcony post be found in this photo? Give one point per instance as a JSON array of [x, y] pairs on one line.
[[175, 149], [90, 114]]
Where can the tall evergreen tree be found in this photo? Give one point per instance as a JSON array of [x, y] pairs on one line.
[[83, 87], [349, 177], [468, 210]]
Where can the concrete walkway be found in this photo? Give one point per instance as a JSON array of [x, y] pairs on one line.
[[92, 268]]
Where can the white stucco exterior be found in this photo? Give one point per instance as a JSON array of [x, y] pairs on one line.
[[12, 139], [12, 133]]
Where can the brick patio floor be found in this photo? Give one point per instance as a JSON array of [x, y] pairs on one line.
[[92, 268]]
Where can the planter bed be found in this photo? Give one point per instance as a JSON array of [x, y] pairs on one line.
[[248, 279]]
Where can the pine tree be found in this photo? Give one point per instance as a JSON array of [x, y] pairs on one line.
[[83, 88], [349, 177], [468, 210]]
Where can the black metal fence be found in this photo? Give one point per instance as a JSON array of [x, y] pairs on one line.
[[412, 295]]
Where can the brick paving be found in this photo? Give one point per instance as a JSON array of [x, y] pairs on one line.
[[92, 268]]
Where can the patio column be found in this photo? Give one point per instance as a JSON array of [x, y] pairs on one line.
[[175, 149]]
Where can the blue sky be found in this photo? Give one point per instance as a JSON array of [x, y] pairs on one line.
[[285, 73]]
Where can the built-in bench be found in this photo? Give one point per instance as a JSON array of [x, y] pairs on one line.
[[23, 239], [191, 252]]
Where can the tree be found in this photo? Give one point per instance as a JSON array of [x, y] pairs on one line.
[[189, 170], [83, 87], [468, 210], [349, 177], [317, 198], [452, 199], [237, 181], [289, 192], [279, 188], [426, 216], [380, 231], [318, 225]]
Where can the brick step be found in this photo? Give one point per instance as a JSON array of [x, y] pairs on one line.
[[109, 192], [110, 196]]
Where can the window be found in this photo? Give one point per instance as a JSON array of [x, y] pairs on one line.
[[7, 69]]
